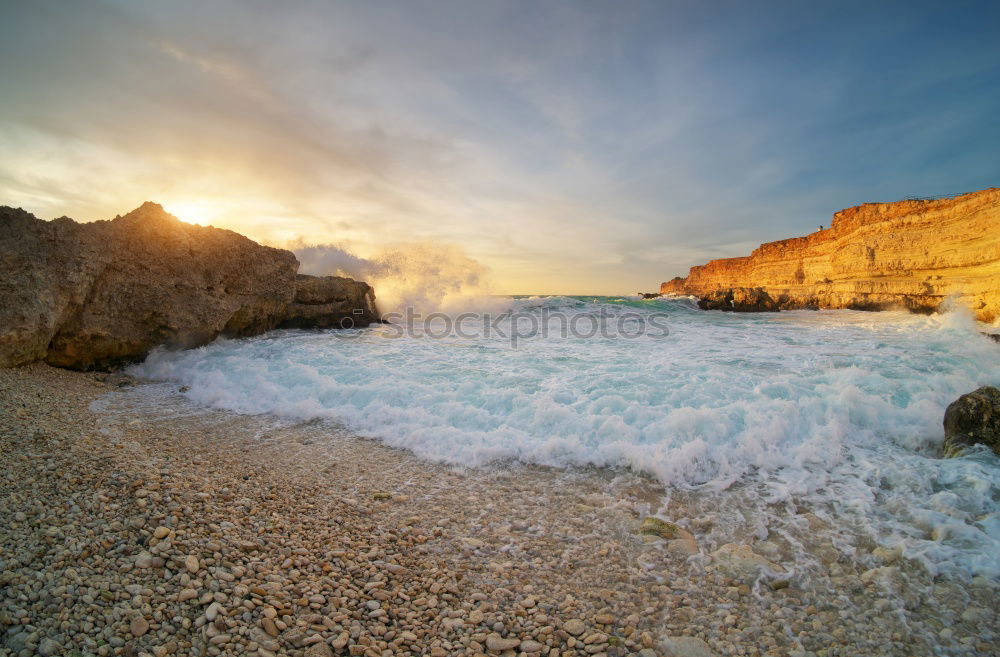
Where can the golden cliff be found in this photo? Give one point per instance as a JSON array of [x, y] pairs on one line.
[[908, 254]]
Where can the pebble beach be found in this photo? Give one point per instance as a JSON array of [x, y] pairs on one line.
[[133, 522]]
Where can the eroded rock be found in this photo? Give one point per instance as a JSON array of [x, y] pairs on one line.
[[96, 295]]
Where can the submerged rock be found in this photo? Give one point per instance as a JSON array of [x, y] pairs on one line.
[[740, 562], [96, 295], [739, 299], [888, 555], [685, 646], [973, 419], [652, 526]]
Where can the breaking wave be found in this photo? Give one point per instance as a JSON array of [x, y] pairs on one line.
[[838, 407]]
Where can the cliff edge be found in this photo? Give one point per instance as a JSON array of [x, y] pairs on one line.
[[875, 256], [95, 295]]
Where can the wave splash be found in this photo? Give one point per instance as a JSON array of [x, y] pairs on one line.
[[426, 276], [834, 407]]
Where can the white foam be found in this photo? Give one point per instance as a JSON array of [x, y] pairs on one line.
[[837, 406]]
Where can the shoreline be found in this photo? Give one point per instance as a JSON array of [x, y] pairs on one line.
[[172, 529]]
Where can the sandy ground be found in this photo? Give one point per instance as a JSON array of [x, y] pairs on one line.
[[135, 523]]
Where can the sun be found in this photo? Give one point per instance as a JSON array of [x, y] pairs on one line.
[[202, 213]]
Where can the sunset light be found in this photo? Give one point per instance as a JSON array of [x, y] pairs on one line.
[[500, 328], [202, 213]]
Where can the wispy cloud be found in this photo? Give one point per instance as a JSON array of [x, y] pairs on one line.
[[568, 146]]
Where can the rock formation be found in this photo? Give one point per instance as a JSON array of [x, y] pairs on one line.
[[739, 299], [973, 419], [329, 302], [94, 295], [909, 254]]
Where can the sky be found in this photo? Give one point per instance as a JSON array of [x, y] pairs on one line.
[[567, 147]]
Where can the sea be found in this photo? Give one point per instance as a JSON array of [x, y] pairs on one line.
[[832, 409]]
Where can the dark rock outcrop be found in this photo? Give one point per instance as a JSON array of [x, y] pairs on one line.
[[973, 419], [739, 299], [330, 302], [95, 295]]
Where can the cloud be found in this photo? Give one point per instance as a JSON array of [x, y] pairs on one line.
[[567, 147]]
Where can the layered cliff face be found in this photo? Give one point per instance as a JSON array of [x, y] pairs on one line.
[[909, 254], [98, 294]]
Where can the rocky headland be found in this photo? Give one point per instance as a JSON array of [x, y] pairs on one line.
[[910, 254], [96, 295]]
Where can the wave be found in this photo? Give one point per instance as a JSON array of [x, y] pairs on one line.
[[839, 407]]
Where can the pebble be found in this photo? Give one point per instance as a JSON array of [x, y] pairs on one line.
[[287, 552], [144, 560], [498, 644], [319, 650], [341, 641], [48, 647], [139, 626], [269, 626], [213, 611], [685, 646]]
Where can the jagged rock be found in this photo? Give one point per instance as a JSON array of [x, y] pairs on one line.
[[910, 254], [739, 299], [96, 295], [973, 419]]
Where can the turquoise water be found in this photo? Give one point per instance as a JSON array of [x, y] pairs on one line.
[[835, 407]]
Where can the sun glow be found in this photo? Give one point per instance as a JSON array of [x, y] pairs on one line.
[[202, 213]]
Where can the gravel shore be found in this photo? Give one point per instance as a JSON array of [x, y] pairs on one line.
[[134, 523]]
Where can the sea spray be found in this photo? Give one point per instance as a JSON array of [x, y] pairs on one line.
[[840, 409], [425, 276]]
